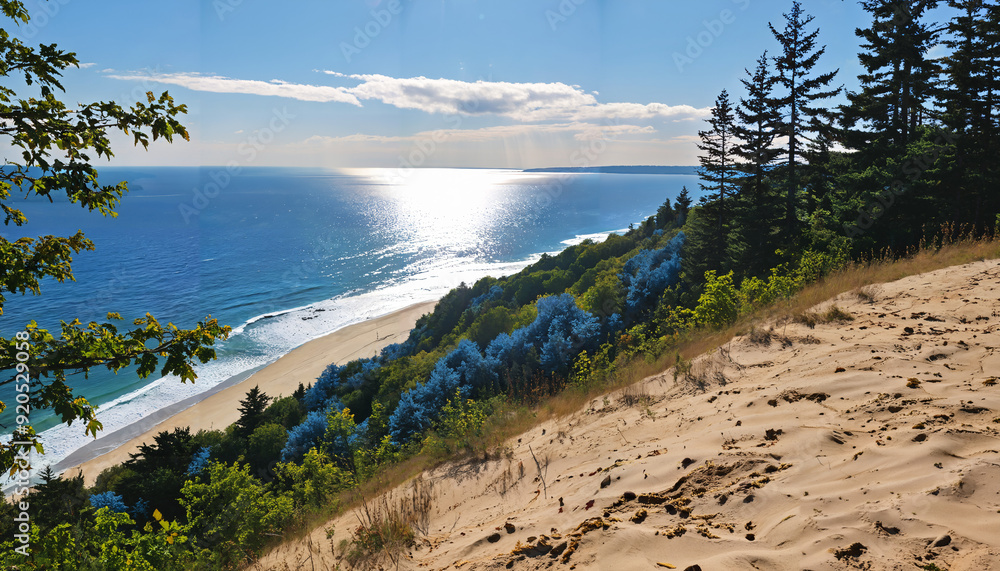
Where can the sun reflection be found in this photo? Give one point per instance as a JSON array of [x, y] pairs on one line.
[[452, 209]]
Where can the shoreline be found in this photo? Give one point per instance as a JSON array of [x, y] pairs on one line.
[[216, 408]]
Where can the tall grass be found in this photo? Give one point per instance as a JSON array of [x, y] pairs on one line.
[[388, 524]]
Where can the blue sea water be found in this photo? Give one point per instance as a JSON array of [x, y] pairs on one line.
[[285, 255]]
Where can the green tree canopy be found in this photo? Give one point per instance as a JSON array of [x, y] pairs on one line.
[[53, 147]]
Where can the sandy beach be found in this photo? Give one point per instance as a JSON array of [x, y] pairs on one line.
[[863, 444], [217, 408]]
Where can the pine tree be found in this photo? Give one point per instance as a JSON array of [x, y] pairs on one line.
[[803, 93], [895, 86], [963, 84], [759, 119], [252, 411], [755, 229], [967, 92], [706, 249], [718, 163], [664, 214], [683, 204], [55, 500]]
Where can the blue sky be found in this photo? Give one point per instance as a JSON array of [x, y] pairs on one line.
[[380, 83]]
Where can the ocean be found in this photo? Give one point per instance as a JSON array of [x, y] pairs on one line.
[[285, 255]]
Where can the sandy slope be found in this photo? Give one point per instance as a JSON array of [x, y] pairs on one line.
[[807, 452], [302, 365]]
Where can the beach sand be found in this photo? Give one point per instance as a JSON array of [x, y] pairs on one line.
[[868, 444], [217, 409]]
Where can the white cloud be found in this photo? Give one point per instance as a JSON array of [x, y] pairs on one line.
[[685, 139], [86, 65], [580, 132], [938, 51], [220, 84], [521, 101], [531, 102]]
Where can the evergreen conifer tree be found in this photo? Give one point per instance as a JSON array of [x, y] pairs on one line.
[[755, 234], [803, 93], [252, 411], [720, 180]]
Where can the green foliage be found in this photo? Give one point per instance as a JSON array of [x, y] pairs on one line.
[[582, 370], [285, 411], [368, 459], [719, 304], [489, 324], [337, 438], [606, 297], [265, 444], [458, 427], [54, 144], [230, 511], [314, 481], [106, 541]]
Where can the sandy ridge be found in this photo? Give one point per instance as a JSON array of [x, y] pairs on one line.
[[868, 444]]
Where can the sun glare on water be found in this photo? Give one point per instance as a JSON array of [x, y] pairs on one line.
[[452, 209]]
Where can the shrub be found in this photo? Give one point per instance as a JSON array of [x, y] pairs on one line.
[[304, 436], [719, 303], [109, 500], [230, 511], [265, 444], [558, 333], [199, 461], [460, 423], [648, 274], [418, 407], [338, 436], [314, 481], [605, 297], [318, 394]]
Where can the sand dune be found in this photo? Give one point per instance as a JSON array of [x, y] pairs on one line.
[[866, 444]]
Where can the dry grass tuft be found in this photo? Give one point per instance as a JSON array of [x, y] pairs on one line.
[[386, 526], [837, 314], [869, 294], [635, 395], [808, 318], [811, 318], [761, 336]]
